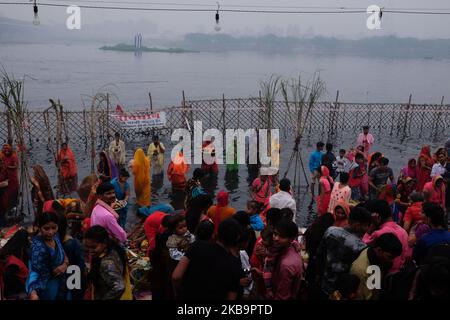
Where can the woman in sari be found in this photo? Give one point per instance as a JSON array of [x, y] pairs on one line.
[[405, 187], [122, 189], [373, 160], [87, 193], [141, 172], [193, 187], [11, 167], [13, 266], [68, 170], [341, 212], [197, 212], [209, 160], [341, 192], [109, 273], [41, 190], [176, 172], [3, 191], [48, 262], [260, 189], [360, 150], [220, 211], [410, 171], [424, 163], [232, 157], [106, 168], [326, 186], [75, 254], [357, 175], [434, 191]]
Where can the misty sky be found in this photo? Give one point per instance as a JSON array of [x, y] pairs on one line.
[[172, 24]]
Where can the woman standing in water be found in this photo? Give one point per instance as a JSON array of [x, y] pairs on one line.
[[141, 172], [424, 163], [68, 170]]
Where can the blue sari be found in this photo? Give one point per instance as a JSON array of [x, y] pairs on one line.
[[43, 261], [120, 195]]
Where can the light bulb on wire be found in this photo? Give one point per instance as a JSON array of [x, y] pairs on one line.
[[36, 21], [217, 27]]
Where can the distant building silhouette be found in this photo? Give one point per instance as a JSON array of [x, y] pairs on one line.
[[138, 41]]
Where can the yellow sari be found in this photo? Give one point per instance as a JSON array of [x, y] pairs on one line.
[[141, 172]]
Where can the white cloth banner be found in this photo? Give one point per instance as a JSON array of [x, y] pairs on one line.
[[128, 122]]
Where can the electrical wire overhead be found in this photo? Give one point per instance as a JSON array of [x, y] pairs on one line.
[[191, 7]]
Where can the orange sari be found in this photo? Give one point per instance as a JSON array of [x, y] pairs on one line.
[[141, 172], [68, 163], [68, 171], [176, 172]]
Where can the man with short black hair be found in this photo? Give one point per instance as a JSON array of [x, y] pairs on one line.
[[378, 177], [439, 168], [339, 248], [382, 223], [329, 159], [342, 163], [284, 263], [382, 254], [104, 215], [283, 198]]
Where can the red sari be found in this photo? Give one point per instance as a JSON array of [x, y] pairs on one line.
[[68, 170], [9, 197], [423, 174], [323, 200], [213, 168]]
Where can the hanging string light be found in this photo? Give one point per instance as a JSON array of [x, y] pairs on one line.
[[36, 21], [217, 27]]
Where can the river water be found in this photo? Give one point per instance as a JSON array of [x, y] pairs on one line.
[[69, 71]]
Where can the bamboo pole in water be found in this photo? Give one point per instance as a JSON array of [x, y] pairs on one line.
[[335, 113], [28, 126], [84, 129], [224, 125], [92, 137], [406, 117], [437, 116], [151, 102]]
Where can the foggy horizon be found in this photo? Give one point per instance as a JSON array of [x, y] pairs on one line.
[[173, 25]]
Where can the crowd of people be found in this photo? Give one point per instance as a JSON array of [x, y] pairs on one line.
[[374, 238]]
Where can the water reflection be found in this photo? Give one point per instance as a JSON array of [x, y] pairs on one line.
[[210, 184], [157, 185]]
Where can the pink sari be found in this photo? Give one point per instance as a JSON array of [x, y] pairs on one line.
[[437, 195], [410, 171], [262, 192]]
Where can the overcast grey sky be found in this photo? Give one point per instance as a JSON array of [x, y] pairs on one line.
[[157, 24]]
